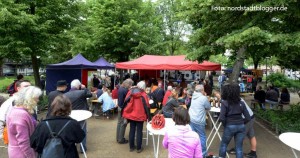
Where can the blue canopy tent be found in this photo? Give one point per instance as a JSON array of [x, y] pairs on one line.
[[76, 68], [229, 70], [103, 64]]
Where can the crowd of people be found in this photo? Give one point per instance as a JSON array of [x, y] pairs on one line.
[[187, 104]]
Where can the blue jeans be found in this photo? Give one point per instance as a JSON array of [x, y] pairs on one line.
[[236, 131], [200, 130]]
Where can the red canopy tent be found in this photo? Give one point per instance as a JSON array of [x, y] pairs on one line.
[[155, 62]]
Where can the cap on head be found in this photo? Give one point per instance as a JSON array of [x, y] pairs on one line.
[[61, 83]]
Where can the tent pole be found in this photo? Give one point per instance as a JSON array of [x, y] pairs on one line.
[[115, 77], [139, 75], [164, 82]]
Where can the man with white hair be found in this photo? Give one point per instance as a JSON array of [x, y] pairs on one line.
[[197, 111], [9, 103], [78, 95], [136, 111]]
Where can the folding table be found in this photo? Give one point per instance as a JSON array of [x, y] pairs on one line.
[[291, 139], [168, 124], [81, 115]]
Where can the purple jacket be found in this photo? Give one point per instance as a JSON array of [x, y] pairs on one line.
[[182, 142], [20, 127]]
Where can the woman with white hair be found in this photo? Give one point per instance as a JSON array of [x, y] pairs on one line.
[[135, 111], [21, 123]]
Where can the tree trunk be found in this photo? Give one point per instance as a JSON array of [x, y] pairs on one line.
[[36, 72], [239, 62]]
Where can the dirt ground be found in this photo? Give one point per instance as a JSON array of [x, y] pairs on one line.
[[101, 141]]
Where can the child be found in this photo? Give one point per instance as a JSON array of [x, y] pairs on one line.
[[181, 141]]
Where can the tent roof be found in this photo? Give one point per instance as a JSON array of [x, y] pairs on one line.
[[102, 63], [154, 62], [75, 63]]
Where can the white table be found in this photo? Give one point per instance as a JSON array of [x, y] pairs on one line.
[[169, 123], [292, 140], [81, 115], [215, 129]]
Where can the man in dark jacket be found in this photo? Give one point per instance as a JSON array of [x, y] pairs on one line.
[[61, 87], [78, 95], [260, 96], [158, 94], [121, 126]]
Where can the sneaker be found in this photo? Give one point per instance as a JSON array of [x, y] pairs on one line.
[[251, 155], [231, 151], [96, 115], [140, 150]]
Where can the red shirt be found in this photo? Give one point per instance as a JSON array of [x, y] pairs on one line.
[[167, 94], [114, 93]]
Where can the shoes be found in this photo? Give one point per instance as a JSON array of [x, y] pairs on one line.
[[124, 141], [251, 155], [132, 149], [96, 115], [140, 150], [231, 151]]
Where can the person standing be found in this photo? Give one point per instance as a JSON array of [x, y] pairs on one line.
[[197, 112], [171, 104], [78, 95], [221, 79], [61, 87], [250, 134], [59, 117], [211, 80], [180, 140], [135, 112], [12, 88], [121, 126], [7, 106], [96, 81], [231, 116], [21, 123]]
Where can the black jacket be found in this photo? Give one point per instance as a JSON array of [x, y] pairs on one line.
[[78, 99], [122, 92], [232, 114], [70, 135], [260, 95], [158, 94]]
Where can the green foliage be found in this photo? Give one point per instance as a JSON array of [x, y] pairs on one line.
[[280, 80], [119, 29], [285, 121], [6, 81], [261, 34], [43, 103]]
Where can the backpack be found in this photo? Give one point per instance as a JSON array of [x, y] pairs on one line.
[[54, 147]]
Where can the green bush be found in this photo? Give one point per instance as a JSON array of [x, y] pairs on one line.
[[279, 80], [284, 121]]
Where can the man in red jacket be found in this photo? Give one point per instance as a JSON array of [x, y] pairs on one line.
[[135, 111]]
